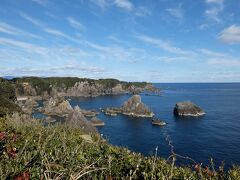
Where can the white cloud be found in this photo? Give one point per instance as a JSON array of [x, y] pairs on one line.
[[125, 4], [220, 59], [75, 24], [31, 19], [212, 53], [59, 33], [39, 59], [55, 32], [216, 7], [41, 2], [176, 12], [171, 59], [9, 29], [101, 3], [65, 70], [143, 11], [203, 26], [213, 13], [224, 62], [164, 45], [116, 40], [53, 16], [26, 46], [214, 1], [81, 67], [118, 53], [230, 35]]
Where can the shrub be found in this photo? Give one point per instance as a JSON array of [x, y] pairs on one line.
[[52, 152], [7, 98]]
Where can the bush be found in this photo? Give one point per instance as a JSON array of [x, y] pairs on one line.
[[7, 98], [61, 152]]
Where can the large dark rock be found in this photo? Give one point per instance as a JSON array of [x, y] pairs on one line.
[[134, 107], [187, 109]]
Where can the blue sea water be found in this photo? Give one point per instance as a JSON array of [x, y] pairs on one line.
[[215, 135]]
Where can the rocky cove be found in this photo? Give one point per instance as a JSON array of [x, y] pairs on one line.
[[54, 94], [58, 107]]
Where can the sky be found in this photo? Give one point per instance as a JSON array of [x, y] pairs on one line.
[[130, 40]]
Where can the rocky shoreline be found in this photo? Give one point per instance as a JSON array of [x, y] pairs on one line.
[[87, 119], [76, 87], [58, 105]]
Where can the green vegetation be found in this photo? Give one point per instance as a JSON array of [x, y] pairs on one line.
[[42, 85], [53, 152], [7, 98], [108, 83], [136, 84]]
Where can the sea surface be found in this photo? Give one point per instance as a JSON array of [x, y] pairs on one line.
[[215, 135]]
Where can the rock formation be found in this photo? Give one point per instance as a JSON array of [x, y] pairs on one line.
[[158, 122], [87, 89], [89, 113], [27, 104], [57, 106], [84, 89], [134, 107], [97, 122], [187, 109], [77, 120], [112, 111]]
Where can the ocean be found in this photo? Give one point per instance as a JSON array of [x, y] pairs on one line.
[[215, 135]]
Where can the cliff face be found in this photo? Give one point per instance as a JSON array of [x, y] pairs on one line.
[[86, 89], [118, 89], [56, 87]]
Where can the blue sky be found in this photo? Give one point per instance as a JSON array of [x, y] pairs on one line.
[[132, 40]]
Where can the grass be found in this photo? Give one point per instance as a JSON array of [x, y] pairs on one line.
[[31, 150]]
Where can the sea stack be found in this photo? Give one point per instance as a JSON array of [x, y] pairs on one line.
[[77, 120], [134, 107], [57, 106], [187, 108]]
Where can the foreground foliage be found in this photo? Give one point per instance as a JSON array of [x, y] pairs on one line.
[[59, 152], [7, 98]]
